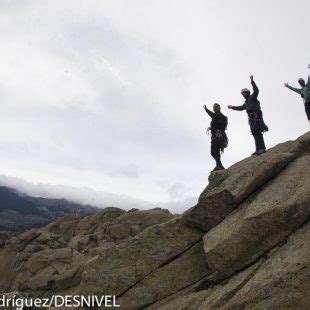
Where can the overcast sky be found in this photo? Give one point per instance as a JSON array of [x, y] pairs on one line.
[[101, 101]]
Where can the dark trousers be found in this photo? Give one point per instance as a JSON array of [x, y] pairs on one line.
[[258, 126], [259, 141], [307, 108], [216, 151]]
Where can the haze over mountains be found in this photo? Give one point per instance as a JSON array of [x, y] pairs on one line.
[[19, 212]]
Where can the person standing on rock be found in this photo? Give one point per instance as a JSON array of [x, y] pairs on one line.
[[304, 91], [255, 114], [219, 139]]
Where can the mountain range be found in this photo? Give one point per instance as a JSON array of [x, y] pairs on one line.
[[19, 212]]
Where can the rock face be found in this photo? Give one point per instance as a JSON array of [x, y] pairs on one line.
[[167, 280], [230, 187], [245, 245], [261, 222], [119, 268], [52, 259]]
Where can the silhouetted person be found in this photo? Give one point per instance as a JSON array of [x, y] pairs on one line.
[[304, 91], [255, 114], [218, 136]]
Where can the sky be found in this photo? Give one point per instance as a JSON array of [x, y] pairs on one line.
[[101, 101]]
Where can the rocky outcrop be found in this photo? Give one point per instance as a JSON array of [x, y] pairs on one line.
[[125, 265], [245, 245], [278, 280], [167, 280], [283, 280], [261, 222], [51, 259], [230, 187]]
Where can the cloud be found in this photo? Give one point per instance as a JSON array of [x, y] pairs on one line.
[[131, 171], [108, 95], [86, 195], [177, 190]]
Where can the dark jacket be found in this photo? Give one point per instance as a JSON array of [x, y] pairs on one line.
[[219, 122], [251, 104]]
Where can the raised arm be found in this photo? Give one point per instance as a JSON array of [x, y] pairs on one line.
[[296, 90], [255, 88], [208, 111], [237, 108]]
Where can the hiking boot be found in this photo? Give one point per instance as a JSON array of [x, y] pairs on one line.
[[260, 151], [254, 153]]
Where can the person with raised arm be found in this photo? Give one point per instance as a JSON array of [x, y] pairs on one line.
[[255, 115], [304, 91], [219, 139]]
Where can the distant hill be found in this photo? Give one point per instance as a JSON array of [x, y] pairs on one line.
[[19, 212]]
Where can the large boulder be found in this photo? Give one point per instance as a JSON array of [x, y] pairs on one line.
[[185, 270], [122, 266], [278, 280], [229, 188], [260, 222], [132, 223], [72, 225], [282, 282], [204, 294], [52, 258]]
